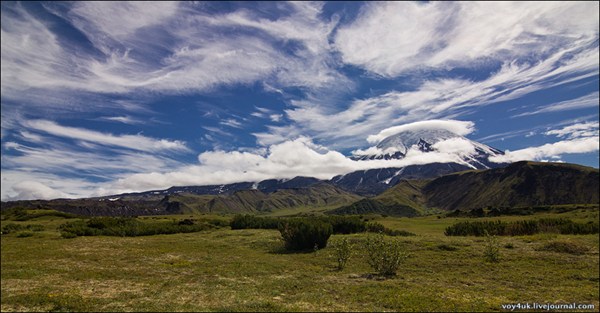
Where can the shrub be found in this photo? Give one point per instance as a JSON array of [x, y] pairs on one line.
[[491, 250], [303, 234], [253, 222], [24, 234], [127, 226], [590, 227], [342, 252], [375, 227], [186, 221], [521, 228], [67, 235], [12, 228], [477, 228], [35, 227], [218, 222], [384, 256], [25, 214], [378, 228], [346, 224]]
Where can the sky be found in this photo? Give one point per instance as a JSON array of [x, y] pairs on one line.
[[101, 98]]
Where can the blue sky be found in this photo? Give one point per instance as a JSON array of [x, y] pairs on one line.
[[106, 97]]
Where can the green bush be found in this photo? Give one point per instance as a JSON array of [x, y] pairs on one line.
[[375, 227], [253, 222], [12, 228], [491, 250], [521, 228], [384, 256], [590, 227], [128, 227], [25, 214], [217, 222], [346, 224], [476, 228], [25, 234], [67, 235], [342, 251], [302, 234]]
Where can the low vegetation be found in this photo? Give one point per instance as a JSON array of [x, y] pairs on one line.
[[522, 227], [13, 228], [302, 234], [23, 214], [340, 224], [384, 255], [375, 227], [248, 221], [491, 250], [342, 252], [129, 227], [245, 269]]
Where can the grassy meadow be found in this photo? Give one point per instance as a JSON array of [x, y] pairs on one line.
[[248, 270]]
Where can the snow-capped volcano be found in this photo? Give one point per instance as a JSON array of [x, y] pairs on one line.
[[461, 154], [472, 153]]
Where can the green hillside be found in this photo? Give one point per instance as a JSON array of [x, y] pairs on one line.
[[255, 201], [522, 184], [519, 185]]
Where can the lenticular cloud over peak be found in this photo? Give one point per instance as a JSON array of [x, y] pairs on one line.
[[461, 128]]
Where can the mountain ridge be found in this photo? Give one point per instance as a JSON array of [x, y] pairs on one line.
[[521, 184]]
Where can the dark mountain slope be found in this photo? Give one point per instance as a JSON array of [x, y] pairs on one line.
[[521, 184]]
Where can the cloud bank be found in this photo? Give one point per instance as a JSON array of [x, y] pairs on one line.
[[579, 138]]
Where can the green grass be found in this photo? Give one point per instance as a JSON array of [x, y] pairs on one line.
[[247, 270]]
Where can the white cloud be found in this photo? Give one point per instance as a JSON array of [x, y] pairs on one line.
[[389, 38], [299, 157], [581, 130], [458, 127], [550, 150], [231, 123], [131, 15], [134, 142], [123, 119], [89, 159], [35, 190], [370, 151], [459, 146], [437, 98], [167, 47], [53, 168], [276, 117], [587, 101]]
